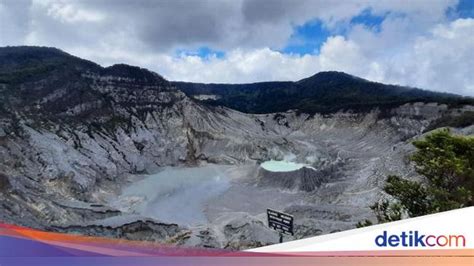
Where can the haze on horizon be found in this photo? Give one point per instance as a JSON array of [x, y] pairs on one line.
[[422, 43]]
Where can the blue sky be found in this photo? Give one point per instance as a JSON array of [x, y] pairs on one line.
[[203, 52], [305, 39], [465, 9], [308, 37]]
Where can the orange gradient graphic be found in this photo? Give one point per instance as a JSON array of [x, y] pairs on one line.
[[109, 250]]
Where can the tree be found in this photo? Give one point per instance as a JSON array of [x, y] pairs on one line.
[[447, 163]]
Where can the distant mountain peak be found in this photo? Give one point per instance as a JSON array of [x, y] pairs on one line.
[[17, 57], [326, 77], [327, 91], [28, 50], [324, 92], [124, 70]]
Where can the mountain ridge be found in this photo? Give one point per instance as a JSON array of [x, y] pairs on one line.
[[324, 92], [73, 135], [50, 84]]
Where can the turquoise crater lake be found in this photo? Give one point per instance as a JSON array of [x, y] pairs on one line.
[[282, 166]]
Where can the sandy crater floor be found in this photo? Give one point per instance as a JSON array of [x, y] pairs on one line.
[[202, 195]]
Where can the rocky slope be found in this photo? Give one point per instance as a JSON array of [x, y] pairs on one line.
[[72, 134]]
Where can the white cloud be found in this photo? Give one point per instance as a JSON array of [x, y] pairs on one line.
[[161, 26], [66, 12], [337, 53], [416, 45], [442, 60]]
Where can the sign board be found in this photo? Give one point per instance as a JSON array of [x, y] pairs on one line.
[[280, 221]]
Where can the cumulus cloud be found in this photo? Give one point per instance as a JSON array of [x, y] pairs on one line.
[[441, 60], [416, 44], [163, 25]]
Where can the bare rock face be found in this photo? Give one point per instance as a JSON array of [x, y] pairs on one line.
[[304, 179], [146, 230], [4, 182], [247, 232], [72, 135]]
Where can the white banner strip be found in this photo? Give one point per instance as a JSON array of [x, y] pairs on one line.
[[447, 230]]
